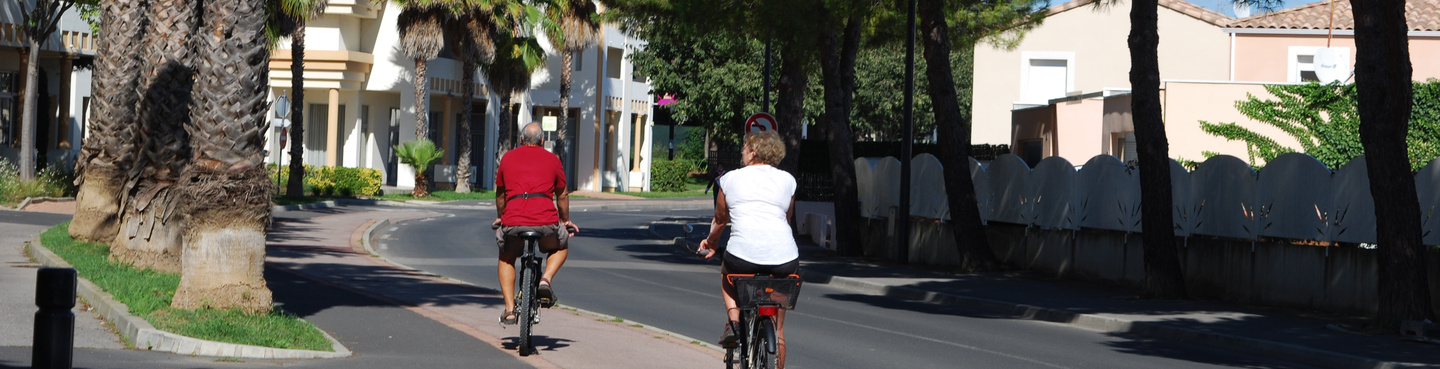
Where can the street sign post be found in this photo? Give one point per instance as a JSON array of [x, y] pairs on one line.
[[761, 122]]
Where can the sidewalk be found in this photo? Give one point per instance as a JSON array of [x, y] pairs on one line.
[[387, 315], [1301, 337]]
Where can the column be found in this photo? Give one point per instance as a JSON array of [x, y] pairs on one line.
[[332, 121], [62, 121]]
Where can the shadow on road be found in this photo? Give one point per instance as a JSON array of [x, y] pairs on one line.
[[294, 282]]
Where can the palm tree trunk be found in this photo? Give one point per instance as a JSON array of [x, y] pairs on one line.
[[226, 189], [422, 122], [795, 80], [462, 139], [27, 118], [1163, 276], [562, 128], [953, 127], [837, 64], [107, 151], [295, 183], [1383, 81], [150, 238]]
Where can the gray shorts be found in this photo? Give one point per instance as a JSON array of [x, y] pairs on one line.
[[552, 238]]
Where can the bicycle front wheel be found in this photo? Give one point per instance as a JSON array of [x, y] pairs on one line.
[[525, 304]]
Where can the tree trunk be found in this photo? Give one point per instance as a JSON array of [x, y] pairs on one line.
[[562, 130], [794, 80], [837, 64], [149, 238], [1163, 276], [106, 152], [462, 139], [504, 127], [27, 118], [422, 122], [1383, 82], [953, 126], [295, 183], [226, 190]]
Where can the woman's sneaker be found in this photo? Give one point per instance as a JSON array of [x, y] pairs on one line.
[[730, 337]]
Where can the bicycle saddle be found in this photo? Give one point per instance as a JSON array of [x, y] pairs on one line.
[[530, 235]]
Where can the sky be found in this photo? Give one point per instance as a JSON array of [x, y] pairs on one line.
[[1224, 6]]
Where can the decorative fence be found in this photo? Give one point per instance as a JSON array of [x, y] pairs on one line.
[[1249, 236], [1292, 197]]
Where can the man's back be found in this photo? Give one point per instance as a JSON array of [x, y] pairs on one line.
[[530, 170]]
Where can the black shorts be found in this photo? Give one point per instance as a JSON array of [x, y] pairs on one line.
[[730, 264]]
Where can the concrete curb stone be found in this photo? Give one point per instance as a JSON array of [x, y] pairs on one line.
[[144, 335]]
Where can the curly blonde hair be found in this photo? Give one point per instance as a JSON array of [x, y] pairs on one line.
[[769, 149]]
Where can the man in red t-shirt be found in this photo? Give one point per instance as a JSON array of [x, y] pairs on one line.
[[530, 196]]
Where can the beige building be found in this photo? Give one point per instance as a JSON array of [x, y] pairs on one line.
[[1202, 76], [64, 90]]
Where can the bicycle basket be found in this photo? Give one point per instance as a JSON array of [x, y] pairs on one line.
[[751, 291]]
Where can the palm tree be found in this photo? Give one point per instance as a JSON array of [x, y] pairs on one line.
[[225, 189], [516, 57], [577, 29], [294, 14], [421, 24], [107, 151], [470, 35], [149, 237]]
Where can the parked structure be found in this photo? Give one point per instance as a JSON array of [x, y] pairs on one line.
[[64, 90], [360, 101], [1054, 96]]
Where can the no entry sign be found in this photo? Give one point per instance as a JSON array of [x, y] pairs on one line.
[[760, 122]]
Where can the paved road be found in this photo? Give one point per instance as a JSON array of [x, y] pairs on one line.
[[617, 268]]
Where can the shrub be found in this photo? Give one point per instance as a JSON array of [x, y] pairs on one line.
[[331, 181], [53, 181], [669, 175]]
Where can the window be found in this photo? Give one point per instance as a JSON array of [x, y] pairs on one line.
[[613, 58], [1046, 75], [9, 119], [577, 60]]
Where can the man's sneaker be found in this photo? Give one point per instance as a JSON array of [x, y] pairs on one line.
[[730, 337]]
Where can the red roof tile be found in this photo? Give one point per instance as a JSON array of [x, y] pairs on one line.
[[1421, 15]]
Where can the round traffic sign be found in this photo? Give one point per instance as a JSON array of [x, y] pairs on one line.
[[761, 122]]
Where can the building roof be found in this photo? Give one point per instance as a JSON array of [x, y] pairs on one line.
[[1420, 15], [1181, 6]]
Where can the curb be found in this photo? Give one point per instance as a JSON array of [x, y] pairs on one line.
[[144, 335], [37, 200], [1097, 322], [629, 206]]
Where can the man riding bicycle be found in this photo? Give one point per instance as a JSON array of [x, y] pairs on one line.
[[530, 195]]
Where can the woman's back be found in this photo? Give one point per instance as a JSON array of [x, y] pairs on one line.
[[758, 197]]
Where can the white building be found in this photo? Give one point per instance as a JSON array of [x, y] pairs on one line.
[[64, 93], [359, 102]]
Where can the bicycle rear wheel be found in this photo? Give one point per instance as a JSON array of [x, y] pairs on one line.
[[525, 305], [760, 355]]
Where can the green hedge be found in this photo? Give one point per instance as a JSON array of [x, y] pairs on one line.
[[331, 181], [669, 175]]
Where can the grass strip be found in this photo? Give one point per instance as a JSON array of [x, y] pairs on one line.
[[445, 196], [148, 295]]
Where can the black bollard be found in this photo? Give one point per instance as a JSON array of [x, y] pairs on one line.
[[54, 345]]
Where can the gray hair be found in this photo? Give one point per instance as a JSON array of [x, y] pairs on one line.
[[532, 135]]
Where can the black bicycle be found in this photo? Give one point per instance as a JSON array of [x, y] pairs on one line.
[[760, 298], [527, 300]]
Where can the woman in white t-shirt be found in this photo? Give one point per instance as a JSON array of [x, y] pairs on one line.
[[759, 199]]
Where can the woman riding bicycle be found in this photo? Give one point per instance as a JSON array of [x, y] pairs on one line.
[[760, 200]]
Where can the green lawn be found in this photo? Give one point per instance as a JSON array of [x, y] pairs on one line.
[[148, 295], [692, 189], [445, 196]]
